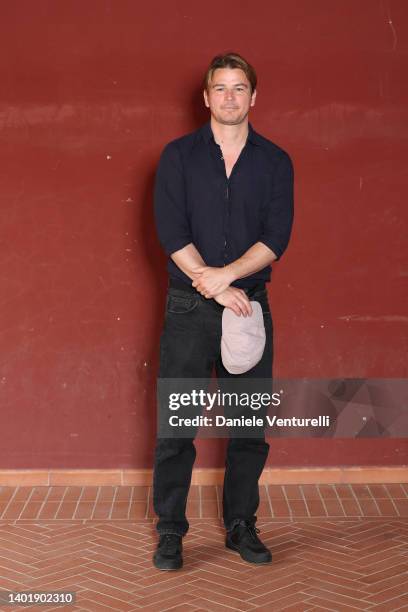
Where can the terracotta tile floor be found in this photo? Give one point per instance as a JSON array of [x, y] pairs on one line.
[[335, 547]]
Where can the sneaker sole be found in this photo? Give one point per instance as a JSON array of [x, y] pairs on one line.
[[169, 568], [265, 561]]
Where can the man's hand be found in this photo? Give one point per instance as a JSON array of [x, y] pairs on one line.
[[236, 299], [212, 281]]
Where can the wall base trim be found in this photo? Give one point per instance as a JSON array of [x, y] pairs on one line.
[[205, 476]]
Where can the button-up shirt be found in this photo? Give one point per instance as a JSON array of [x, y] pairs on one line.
[[195, 202]]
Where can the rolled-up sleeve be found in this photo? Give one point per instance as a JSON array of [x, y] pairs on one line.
[[172, 224], [278, 220]]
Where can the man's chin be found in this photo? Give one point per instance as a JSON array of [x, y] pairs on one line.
[[230, 120]]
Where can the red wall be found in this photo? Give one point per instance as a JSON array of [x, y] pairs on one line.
[[90, 93]]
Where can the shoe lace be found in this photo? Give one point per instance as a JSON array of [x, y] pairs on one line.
[[253, 531], [170, 540]]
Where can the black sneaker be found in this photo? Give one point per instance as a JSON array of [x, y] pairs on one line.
[[244, 540], [168, 555]]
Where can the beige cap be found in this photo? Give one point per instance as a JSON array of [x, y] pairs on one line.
[[243, 339]]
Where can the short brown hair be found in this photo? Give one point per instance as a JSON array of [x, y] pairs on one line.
[[230, 60]]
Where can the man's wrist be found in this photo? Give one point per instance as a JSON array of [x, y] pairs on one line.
[[231, 273], [193, 272]]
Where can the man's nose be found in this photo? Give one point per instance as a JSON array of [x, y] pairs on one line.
[[229, 94]]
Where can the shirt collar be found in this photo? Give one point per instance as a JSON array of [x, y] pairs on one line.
[[207, 133]]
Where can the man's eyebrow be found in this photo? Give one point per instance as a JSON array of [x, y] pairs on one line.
[[235, 85]]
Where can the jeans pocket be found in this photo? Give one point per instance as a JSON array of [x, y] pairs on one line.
[[178, 304], [262, 294], [262, 298]]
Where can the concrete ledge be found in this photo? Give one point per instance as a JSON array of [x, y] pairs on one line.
[[208, 476]]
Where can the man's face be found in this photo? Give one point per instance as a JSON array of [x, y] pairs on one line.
[[229, 96]]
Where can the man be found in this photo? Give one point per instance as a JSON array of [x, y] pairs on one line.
[[224, 211]]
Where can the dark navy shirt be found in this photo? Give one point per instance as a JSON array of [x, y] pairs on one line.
[[194, 201]]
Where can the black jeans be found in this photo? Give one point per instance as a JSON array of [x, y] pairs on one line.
[[189, 348]]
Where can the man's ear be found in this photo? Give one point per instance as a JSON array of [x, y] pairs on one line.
[[253, 98], [205, 98]]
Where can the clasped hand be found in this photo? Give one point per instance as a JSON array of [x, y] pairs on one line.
[[212, 281], [215, 283]]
